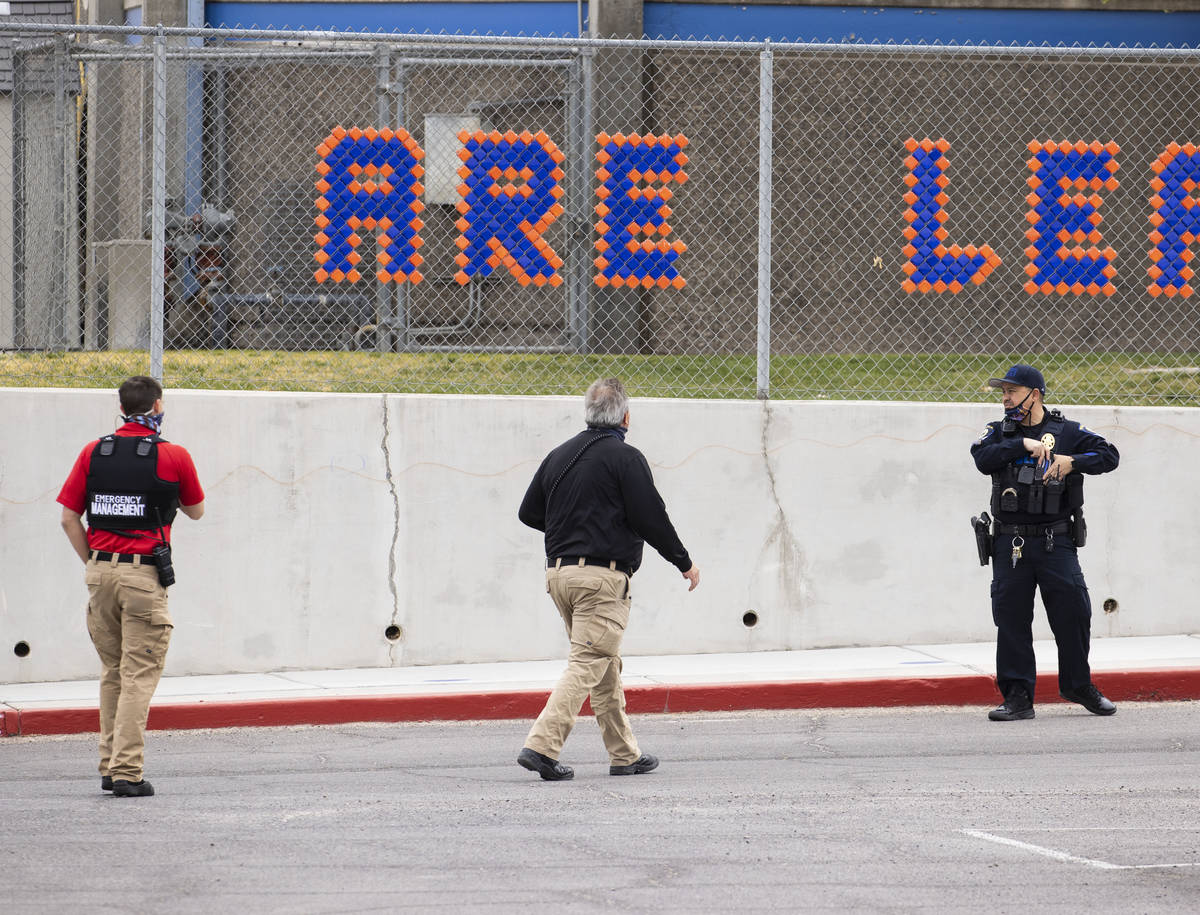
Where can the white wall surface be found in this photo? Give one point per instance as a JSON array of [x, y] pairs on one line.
[[330, 517]]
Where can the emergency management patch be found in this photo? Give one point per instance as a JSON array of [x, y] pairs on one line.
[[110, 506]]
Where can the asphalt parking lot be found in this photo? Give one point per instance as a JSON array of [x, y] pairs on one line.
[[899, 810]]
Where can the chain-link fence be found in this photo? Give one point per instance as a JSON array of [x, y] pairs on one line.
[[237, 209]]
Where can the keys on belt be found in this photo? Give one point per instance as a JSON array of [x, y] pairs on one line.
[[1018, 543], [1020, 531]]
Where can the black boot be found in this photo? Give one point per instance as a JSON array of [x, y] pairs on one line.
[[643, 764], [1017, 706], [549, 769], [1090, 698], [125, 788]]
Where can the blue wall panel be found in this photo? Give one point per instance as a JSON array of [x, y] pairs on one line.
[[744, 21], [876, 24], [556, 19]]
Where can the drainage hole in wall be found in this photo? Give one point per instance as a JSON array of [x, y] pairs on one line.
[[749, 619], [21, 649], [393, 633], [1111, 606]]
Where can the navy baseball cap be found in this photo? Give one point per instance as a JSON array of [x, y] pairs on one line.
[[1024, 375]]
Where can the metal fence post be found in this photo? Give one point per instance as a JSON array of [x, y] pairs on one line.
[[581, 125], [158, 200], [766, 90], [20, 165], [391, 318], [56, 327]]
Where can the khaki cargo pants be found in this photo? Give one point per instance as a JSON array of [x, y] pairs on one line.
[[129, 624], [594, 604]]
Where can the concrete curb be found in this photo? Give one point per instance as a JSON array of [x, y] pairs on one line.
[[1120, 686]]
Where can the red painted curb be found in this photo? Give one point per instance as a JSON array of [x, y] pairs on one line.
[[1136, 686], [346, 709], [964, 690], [1143, 685], [57, 721]]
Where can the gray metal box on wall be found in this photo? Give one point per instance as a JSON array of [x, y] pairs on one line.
[[124, 307], [441, 155]]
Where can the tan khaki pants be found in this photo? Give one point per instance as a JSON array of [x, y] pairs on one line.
[[594, 604], [129, 624]]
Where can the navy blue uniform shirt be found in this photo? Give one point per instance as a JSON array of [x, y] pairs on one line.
[[994, 450]]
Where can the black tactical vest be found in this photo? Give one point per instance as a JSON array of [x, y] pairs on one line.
[[124, 492], [1020, 488]]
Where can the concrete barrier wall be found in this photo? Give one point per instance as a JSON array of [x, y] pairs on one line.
[[332, 517]]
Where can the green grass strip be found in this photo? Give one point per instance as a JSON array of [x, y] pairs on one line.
[[1148, 379]]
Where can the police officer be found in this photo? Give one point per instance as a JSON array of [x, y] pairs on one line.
[[595, 499], [1036, 459], [129, 484]]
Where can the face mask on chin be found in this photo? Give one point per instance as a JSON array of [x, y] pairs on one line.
[[152, 421], [1019, 412]]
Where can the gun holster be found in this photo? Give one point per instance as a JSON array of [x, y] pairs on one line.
[[982, 525], [1078, 528]]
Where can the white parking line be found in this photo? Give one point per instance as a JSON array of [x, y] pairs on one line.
[[1064, 856], [1041, 850]]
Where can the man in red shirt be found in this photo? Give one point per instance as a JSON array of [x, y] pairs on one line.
[[129, 484]]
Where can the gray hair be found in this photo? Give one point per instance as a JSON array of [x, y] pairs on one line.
[[605, 403]]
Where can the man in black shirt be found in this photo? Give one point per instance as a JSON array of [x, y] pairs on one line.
[[594, 498], [1036, 459]]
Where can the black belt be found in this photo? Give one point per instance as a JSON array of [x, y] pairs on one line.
[[143, 558], [1032, 530], [589, 561]]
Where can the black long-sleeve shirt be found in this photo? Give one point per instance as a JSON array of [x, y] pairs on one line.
[[605, 505]]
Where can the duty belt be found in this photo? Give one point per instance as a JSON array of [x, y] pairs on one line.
[[587, 561], [135, 558], [1032, 530]]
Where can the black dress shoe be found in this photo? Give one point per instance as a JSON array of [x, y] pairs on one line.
[[124, 788], [1017, 706], [106, 783], [645, 763], [1090, 698], [549, 769]]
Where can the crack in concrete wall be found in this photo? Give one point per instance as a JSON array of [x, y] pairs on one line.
[[391, 482], [791, 556]]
